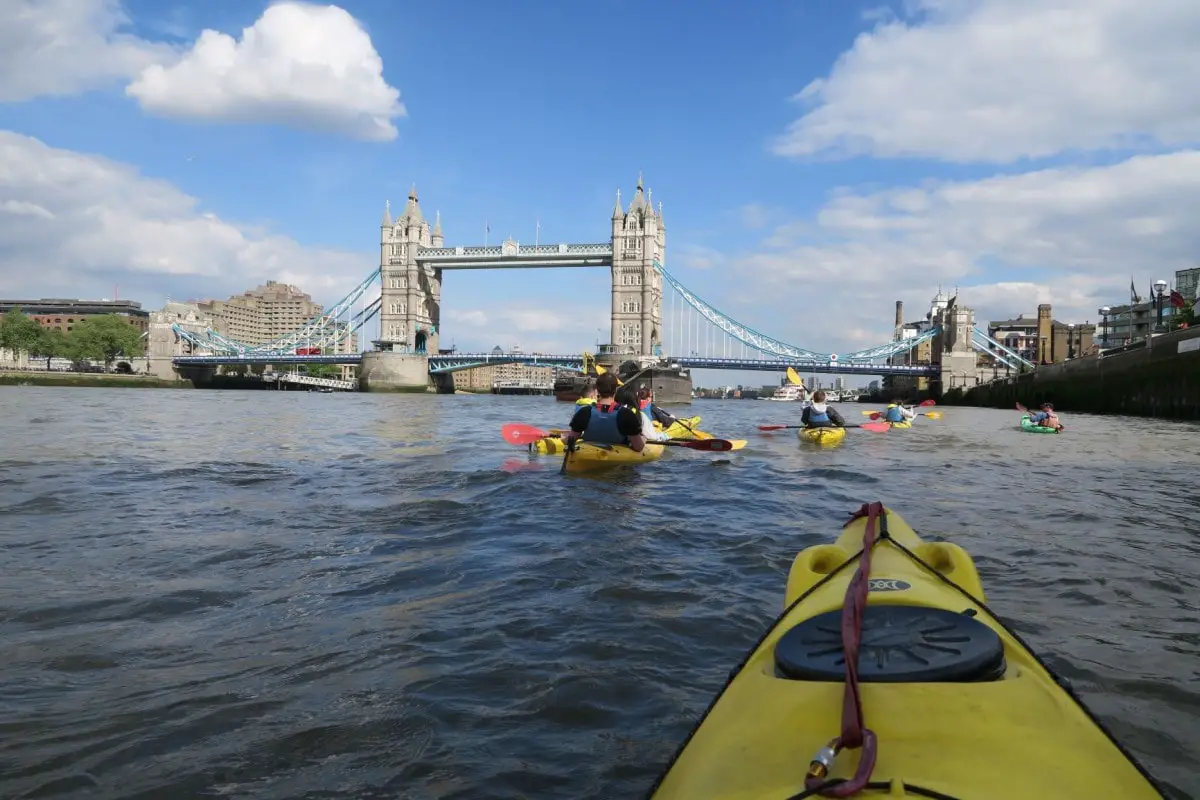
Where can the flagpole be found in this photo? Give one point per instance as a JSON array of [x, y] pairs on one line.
[[487, 228], [537, 233]]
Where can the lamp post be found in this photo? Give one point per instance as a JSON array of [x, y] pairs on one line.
[[1070, 340], [1104, 312], [1160, 286]]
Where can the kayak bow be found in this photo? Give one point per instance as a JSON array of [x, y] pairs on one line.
[[901, 661]]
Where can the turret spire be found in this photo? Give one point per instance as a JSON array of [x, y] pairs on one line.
[[437, 223], [387, 213], [617, 212]]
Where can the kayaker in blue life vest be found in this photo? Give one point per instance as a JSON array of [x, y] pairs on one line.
[[645, 401], [607, 422], [820, 415], [1046, 418], [898, 412]]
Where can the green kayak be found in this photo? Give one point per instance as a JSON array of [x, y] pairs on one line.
[[1029, 427]]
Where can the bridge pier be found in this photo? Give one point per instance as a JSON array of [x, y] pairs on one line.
[[386, 371]]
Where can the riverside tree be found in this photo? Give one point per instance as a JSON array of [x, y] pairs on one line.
[[101, 338]]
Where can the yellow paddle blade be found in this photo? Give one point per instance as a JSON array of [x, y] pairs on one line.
[[738, 444], [600, 370], [793, 377], [702, 435], [933, 414]]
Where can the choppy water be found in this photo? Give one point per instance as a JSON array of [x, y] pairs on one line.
[[294, 595]]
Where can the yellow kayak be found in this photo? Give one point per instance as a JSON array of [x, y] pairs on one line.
[[554, 446], [589, 456], [678, 430], [822, 436], [956, 704]]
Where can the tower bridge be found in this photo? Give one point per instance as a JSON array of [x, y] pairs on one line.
[[403, 297]]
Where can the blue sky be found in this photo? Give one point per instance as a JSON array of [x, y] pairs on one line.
[[944, 141]]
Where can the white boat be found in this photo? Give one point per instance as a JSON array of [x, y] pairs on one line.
[[789, 392]]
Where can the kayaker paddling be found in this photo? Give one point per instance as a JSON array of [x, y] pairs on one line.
[[607, 422], [898, 412], [819, 414]]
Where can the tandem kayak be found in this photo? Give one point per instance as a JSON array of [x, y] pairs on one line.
[[588, 456], [947, 701], [553, 445], [822, 436], [906, 424], [1029, 427]]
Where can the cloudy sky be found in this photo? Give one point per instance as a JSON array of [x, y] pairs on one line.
[[816, 159]]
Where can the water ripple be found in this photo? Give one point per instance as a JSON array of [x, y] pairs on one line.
[[294, 595]]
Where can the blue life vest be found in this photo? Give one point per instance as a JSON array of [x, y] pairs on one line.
[[602, 426], [819, 419], [893, 414]]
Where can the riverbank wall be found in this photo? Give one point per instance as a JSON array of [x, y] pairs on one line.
[[1159, 377], [109, 380]]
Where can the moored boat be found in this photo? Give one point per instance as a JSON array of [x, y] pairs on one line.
[[888, 675]]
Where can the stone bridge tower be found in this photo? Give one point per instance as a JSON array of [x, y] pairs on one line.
[[411, 295], [639, 237]]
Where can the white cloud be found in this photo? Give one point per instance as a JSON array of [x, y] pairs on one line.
[[1071, 237], [61, 47], [72, 225], [997, 80], [302, 65]]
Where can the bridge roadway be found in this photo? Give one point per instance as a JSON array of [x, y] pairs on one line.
[[439, 364]]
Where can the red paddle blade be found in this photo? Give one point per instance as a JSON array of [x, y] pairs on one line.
[[520, 465], [518, 434], [877, 415], [771, 427], [876, 427], [930, 402], [1021, 408]]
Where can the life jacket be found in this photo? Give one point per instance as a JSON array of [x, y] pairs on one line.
[[586, 401], [893, 414], [602, 425], [819, 418]]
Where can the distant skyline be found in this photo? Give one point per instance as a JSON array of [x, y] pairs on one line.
[[816, 161]]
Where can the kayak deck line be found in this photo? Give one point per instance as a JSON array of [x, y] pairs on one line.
[[1009, 726]]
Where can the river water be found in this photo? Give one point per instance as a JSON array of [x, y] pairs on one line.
[[295, 595]]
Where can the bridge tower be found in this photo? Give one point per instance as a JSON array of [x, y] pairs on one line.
[[639, 236], [411, 294]]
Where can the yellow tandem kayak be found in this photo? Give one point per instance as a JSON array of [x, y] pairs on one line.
[[589, 456], [822, 436], [958, 706], [554, 446]]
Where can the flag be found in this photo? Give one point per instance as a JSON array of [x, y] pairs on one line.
[[1177, 300], [1133, 297]]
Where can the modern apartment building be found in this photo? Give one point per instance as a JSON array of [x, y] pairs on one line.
[[264, 314]]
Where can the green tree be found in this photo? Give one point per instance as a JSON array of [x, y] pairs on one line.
[[104, 338], [1186, 314], [323, 370], [19, 332], [52, 343]]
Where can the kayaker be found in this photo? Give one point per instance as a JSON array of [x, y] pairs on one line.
[[1046, 418], [607, 421], [898, 412], [661, 416], [818, 414], [588, 395]]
